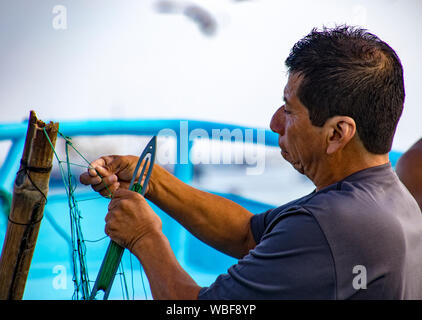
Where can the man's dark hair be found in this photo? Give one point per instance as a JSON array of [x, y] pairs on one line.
[[350, 72]]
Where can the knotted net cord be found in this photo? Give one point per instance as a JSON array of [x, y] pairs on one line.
[[80, 277]]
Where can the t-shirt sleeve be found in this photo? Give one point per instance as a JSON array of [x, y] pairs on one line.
[[283, 265], [258, 224]]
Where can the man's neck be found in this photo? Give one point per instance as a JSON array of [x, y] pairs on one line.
[[337, 168]]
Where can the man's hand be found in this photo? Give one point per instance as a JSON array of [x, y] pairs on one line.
[[109, 173], [130, 219]]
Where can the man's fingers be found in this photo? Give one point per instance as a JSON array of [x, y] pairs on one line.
[[86, 179], [95, 174], [109, 173], [100, 171], [105, 182], [95, 165], [122, 193]]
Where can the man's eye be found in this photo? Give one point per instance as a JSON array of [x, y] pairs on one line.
[[286, 111]]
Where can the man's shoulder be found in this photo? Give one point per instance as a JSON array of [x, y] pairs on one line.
[[367, 201], [376, 189], [373, 197]]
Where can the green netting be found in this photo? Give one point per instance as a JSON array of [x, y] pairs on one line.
[[82, 288]]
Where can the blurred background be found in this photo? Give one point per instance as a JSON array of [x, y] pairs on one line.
[[211, 60], [214, 60], [219, 60]]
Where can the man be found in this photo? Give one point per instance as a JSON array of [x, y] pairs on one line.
[[358, 235], [409, 170]]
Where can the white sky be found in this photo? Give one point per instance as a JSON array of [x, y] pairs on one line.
[[121, 59]]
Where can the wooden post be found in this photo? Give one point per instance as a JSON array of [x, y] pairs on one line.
[[29, 197]]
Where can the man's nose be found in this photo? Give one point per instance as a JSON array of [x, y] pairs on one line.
[[277, 121]]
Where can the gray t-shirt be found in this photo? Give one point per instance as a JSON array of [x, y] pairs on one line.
[[360, 238]]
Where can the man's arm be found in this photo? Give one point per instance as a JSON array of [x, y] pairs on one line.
[[133, 224], [167, 279], [217, 221]]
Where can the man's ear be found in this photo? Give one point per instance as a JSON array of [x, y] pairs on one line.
[[340, 130]]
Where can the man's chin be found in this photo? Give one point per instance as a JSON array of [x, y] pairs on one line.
[[298, 166]]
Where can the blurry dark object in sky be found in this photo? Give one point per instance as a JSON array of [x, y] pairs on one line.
[[205, 21]]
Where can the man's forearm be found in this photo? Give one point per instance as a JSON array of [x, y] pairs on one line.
[[219, 222], [166, 277]]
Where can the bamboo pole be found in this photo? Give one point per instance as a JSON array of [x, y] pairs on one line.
[[29, 198]]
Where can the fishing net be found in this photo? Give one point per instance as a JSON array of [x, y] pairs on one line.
[[81, 277]]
